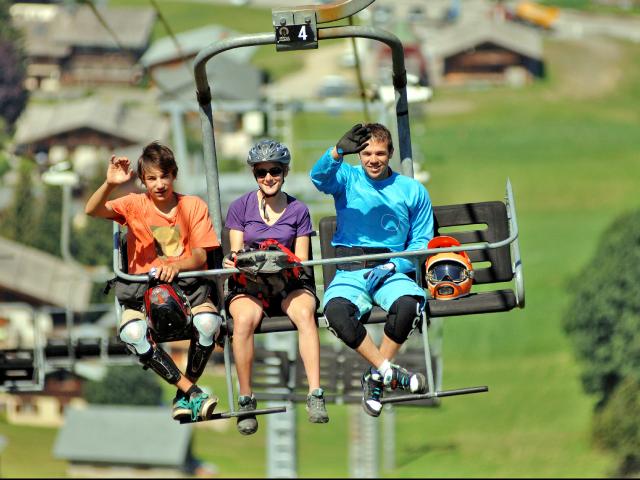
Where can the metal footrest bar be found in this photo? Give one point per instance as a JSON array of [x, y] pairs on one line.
[[259, 411], [426, 396]]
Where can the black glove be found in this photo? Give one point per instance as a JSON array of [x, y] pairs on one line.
[[354, 141]]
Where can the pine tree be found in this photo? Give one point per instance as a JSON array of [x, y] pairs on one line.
[[48, 226], [18, 220], [13, 95]]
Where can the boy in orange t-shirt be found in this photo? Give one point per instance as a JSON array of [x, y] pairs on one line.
[[168, 232]]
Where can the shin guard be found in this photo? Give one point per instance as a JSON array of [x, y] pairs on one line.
[[160, 362], [198, 357]]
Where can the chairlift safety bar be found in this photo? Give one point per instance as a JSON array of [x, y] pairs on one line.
[[512, 239]]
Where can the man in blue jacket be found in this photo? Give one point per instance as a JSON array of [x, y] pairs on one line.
[[378, 211]]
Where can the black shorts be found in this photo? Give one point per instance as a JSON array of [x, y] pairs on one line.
[[271, 291], [197, 290]]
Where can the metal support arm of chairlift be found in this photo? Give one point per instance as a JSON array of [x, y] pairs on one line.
[[323, 14], [23, 369]]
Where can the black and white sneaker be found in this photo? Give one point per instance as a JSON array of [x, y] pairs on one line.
[[372, 386], [398, 377]]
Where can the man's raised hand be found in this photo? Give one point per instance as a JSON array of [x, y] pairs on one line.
[[354, 141], [119, 170]]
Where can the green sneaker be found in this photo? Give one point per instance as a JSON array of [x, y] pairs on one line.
[[316, 408], [247, 425], [202, 406], [181, 409]]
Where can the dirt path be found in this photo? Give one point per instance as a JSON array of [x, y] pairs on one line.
[[317, 64], [589, 67]]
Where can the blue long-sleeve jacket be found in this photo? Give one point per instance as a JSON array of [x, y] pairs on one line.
[[393, 213]]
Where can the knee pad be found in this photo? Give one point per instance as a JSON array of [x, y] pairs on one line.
[[134, 334], [160, 362], [403, 318], [342, 316], [208, 325]]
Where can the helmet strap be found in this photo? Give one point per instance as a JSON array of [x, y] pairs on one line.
[[263, 202]]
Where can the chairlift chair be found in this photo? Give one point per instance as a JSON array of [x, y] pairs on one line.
[[297, 29]]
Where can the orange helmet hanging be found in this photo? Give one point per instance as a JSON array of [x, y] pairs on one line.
[[449, 274]]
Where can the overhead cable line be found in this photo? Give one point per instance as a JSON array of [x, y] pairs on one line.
[[102, 21], [363, 93], [169, 30]]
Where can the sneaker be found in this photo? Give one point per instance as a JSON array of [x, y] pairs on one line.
[[316, 408], [247, 425], [372, 386], [398, 377], [181, 409], [202, 406]]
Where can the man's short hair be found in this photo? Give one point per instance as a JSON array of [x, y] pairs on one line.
[[380, 133], [157, 155]]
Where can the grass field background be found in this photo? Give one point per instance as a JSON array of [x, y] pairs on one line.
[[571, 148]]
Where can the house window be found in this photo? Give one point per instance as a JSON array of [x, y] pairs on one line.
[[27, 406]]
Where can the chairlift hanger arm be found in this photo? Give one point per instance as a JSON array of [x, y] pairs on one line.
[[330, 12], [203, 94]]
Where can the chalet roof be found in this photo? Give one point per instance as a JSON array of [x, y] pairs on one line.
[[77, 26], [462, 36], [121, 434], [38, 40], [37, 274], [229, 80], [113, 117], [191, 42], [81, 28]]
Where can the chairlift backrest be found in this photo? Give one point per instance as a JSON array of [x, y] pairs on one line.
[[487, 222], [473, 223]]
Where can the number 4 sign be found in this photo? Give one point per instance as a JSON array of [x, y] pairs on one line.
[[295, 36]]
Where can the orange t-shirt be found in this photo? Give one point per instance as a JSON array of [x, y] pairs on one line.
[[154, 237]]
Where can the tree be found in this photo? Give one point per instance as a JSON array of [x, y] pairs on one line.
[[48, 225], [13, 95], [617, 427], [125, 385], [17, 221], [91, 244], [603, 321]]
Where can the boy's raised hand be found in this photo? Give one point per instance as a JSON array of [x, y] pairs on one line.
[[354, 141], [119, 170]]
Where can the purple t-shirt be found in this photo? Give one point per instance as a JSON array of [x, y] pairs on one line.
[[244, 215]]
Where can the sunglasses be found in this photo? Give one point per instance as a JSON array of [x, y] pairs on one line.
[[273, 171]]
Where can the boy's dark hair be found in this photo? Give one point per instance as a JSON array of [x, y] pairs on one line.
[[380, 133], [157, 155]]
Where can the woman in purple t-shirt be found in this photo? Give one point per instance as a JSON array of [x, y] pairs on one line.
[[270, 213]]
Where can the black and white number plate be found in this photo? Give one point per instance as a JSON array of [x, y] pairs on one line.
[[292, 34]]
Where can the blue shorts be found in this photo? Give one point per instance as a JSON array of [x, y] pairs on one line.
[[351, 286]]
